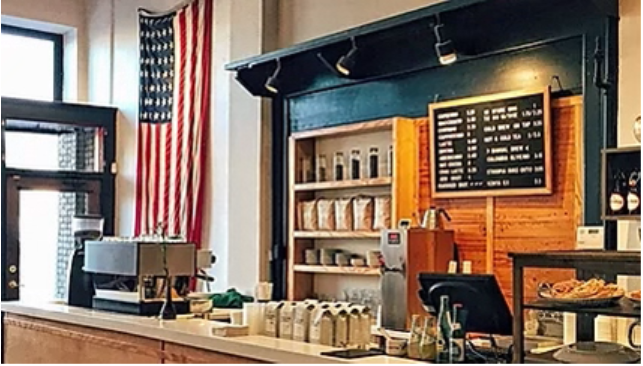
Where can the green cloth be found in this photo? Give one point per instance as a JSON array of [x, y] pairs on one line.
[[230, 300]]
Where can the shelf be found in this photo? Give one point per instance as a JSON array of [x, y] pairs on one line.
[[624, 309], [620, 150], [346, 184], [622, 218], [357, 271], [337, 235]]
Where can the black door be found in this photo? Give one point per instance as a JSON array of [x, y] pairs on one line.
[[38, 237]]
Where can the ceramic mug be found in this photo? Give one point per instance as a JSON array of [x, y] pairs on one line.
[[632, 334]]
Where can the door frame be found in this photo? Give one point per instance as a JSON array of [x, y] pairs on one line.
[[34, 115], [18, 181]]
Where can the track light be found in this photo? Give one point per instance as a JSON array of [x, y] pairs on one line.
[[444, 47], [272, 84], [346, 63]]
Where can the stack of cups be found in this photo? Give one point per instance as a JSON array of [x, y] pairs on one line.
[[254, 314], [254, 317]]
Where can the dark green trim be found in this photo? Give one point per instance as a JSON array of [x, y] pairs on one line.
[[379, 26]]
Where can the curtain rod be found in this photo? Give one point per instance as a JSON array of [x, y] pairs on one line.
[[178, 7]]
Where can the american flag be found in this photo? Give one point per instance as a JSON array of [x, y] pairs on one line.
[[174, 108]]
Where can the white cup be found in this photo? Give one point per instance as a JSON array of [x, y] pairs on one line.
[[263, 291], [254, 317], [236, 317]]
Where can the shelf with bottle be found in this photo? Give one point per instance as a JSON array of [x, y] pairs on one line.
[[621, 184]]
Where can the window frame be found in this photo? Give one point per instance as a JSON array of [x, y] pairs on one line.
[[57, 40]]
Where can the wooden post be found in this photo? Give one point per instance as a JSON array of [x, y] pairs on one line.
[[491, 201]]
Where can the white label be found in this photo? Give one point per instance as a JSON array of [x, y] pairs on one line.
[[616, 202], [633, 202]]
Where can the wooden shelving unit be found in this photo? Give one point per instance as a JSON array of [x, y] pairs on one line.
[[347, 184], [355, 271], [401, 134]]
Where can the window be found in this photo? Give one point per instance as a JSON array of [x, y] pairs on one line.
[[31, 64]]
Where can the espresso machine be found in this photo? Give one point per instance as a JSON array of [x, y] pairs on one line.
[[141, 269], [80, 290], [407, 253]]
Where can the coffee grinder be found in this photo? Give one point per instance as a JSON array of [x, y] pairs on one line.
[[80, 291]]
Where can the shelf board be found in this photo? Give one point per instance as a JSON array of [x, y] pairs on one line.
[[357, 271], [337, 235], [621, 150], [622, 218], [346, 184], [624, 309]]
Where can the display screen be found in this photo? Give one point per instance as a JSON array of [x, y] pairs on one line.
[[394, 239]]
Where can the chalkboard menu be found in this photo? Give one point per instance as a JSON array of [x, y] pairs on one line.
[[496, 145]]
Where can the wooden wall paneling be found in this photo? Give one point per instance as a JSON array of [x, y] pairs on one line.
[[522, 223], [405, 175], [178, 354], [29, 341], [490, 249]]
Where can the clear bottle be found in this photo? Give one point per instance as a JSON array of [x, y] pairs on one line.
[[322, 174], [428, 344], [339, 166], [443, 331], [416, 338]]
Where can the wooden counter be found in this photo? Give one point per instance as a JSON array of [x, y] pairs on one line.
[[48, 333]]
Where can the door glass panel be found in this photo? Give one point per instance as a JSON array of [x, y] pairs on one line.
[[60, 148], [46, 242]]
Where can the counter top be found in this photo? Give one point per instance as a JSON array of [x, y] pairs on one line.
[[193, 333]]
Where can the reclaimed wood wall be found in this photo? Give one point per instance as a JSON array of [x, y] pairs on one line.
[[487, 229]]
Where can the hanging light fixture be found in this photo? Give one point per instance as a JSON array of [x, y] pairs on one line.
[[272, 84], [444, 47], [346, 63]]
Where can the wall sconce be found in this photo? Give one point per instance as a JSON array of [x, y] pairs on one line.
[[346, 63], [444, 47], [272, 84]]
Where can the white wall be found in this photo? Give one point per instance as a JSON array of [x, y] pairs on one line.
[[303, 20], [65, 17]]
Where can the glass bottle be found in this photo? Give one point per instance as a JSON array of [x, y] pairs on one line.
[[374, 163], [633, 195], [443, 331], [339, 166], [617, 199], [428, 346], [356, 165], [415, 339], [321, 168], [307, 170], [457, 350]]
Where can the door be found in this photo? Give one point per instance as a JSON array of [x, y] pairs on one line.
[[39, 238]]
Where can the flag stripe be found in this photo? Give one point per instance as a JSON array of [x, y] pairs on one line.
[[205, 116]]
